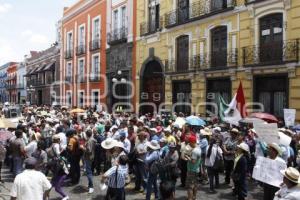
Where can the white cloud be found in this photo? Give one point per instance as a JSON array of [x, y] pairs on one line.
[[26, 33], [34, 38], [7, 52], [4, 8]]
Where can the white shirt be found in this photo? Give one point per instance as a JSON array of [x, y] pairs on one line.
[[30, 184], [127, 145], [63, 140], [288, 194], [30, 148], [209, 162]]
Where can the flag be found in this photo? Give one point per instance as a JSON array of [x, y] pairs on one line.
[[236, 109], [223, 106]]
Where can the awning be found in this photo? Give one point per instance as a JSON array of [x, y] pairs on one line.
[[28, 73], [49, 67]]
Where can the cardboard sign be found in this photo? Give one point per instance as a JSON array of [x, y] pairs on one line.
[[284, 139], [267, 132], [289, 117], [268, 171]]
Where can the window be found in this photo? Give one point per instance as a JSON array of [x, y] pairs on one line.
[[182, 53], [183, 10], [81, 69], [95, 65], [95, 98], [219, 47], [115, 19], [271, 38], [96, 29], [69, 41], [81, 99], [81, 36], [69, 98], [123, 14], [153, 16], [69, 71]]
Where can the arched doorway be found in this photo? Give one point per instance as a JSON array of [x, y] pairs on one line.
[[152, 87]]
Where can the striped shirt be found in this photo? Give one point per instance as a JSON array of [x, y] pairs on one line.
[[111, 174]]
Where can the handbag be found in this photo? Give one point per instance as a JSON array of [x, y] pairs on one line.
[[219, 163]]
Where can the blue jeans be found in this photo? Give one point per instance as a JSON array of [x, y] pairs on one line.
[[152, 181], [18, 165], [89, 172], [140, 175]]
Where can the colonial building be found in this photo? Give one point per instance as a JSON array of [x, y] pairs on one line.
[[120, 52], [3, 82], [190, 52], [12, 82], [83, 57], [42, 76], [21, 84]]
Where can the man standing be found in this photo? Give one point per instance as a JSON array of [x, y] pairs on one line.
[[193, 168], [89, 154], [30, 184], [18, 152]]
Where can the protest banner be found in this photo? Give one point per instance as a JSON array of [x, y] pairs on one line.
[[284, 139], [289, 117], [268, 171], [267, 132]]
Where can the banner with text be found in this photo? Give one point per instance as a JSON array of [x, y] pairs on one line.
[[267, 132]]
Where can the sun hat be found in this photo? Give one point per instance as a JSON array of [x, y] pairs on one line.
[[153, 130], [119, 144], [31, 161], [276, 147], [244, 147], [235, 130], [109, 143], [292, 174], [206, 131], [168, 130], [163, 140], [217, 129], [153, 145]]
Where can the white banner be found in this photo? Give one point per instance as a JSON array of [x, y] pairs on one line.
[[268, 171], [267, 132], [289, 117], [284, 139]]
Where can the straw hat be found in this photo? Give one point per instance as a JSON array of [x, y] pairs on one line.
[[109, 143], [119, 144], [234, 130], [276, 147], [244, 147], [292, 174], [168, 129], [206, 131], [153, 145]]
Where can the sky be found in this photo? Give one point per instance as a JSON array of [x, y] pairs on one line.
[[28, 25]]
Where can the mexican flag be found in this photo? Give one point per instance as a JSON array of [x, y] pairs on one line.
[[234, 111]]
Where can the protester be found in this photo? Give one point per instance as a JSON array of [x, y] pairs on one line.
[[289, 190], [18, 153], [240, 171], [2, 157], [30, 184], [167, 191]]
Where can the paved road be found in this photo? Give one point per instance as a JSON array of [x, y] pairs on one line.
[[79, 192]]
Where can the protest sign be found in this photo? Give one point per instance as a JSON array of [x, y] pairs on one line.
[[289, 117], [284, 139], [267, 132], [268, 171]]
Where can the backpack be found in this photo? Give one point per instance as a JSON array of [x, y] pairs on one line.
[[219, 163], [157, 166], [57, 163]]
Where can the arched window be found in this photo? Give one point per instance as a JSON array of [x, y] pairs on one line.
[[219, 46], [271, 38], [182, 53]]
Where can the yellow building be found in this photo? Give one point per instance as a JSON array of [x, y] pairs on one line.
[[190, 52]]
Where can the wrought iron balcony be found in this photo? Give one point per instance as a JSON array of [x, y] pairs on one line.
[[95, 44], [94, 78], [206, 61], [11, 86], [80, 50], [69, 79], [20, 86], [69, 53], [147, 28], [271, 54], [118, 35], [198, 10], [253, 1]]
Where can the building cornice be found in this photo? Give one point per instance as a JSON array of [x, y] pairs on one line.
[[78, 10]]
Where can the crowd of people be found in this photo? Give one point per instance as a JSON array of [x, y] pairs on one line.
[[154, 153]]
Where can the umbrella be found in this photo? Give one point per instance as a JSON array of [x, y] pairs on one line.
[[195, 121], [180, 121], [5, 123], [77, 110], [265, 116], [5, 135], [249, 120]]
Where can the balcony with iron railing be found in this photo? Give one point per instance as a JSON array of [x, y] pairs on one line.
[[147, 28], [69, 53], [271, 54], [196, 11], [118, 35], [204, 62], [20, 86], [253, 1], [95, 44], [80, 50]]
